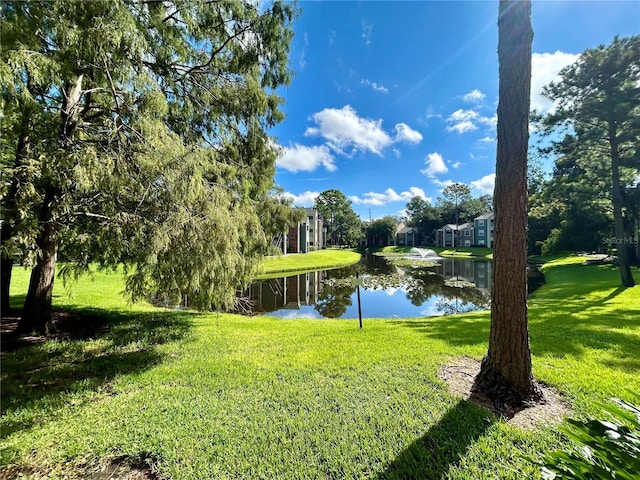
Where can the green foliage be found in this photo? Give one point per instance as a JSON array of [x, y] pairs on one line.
[[144, 126], [344, 227], [451, 203], [277, 215], [382, 231], [423, 216], [605, 449], [595, 129]]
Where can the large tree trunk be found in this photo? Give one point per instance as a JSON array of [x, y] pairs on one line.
[[6, 267], [37, 314], [506, 374], [9, 209], [618, 221]]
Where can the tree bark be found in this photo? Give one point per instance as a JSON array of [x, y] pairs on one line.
[[506, 374], [9, 208], [6, 267], [37, 313], [618, 221]]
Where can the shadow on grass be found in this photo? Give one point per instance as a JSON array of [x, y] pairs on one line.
[[456, 330], [17, 301], [431, 455], [41, 378], [555, 330], [571, 315]]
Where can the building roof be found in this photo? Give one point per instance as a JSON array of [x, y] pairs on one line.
[[450, 226], [402, 228], [485, 216]]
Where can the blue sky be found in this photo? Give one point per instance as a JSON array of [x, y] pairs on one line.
[[396, 99]]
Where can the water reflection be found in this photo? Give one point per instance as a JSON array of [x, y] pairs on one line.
[[446, 287]]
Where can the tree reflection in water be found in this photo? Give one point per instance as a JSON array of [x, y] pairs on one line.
[[388, 290]]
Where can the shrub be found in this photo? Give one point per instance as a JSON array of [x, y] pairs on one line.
[[605, 449]]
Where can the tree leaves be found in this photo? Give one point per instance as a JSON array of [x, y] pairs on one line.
[[161, 160]]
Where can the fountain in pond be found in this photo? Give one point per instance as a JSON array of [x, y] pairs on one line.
[[423, 252]]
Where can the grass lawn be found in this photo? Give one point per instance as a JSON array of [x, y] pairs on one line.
[[204, 396], [300, 262], [479, 252]]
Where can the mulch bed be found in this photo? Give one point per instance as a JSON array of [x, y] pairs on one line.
[[460, 376]]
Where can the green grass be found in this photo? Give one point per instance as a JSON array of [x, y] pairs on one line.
[[479, 252], [300, 262], [223, 396]]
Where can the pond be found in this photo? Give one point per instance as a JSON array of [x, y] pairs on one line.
[[390, 288]]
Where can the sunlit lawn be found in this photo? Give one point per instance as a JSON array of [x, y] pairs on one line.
[[319, 259], [204, 396]]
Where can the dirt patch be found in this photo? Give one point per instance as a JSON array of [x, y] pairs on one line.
[[460, 376], [123, 468], [119, 468]]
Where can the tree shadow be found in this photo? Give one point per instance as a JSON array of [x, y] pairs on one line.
[[611, 296], [17, 301], [42, 377], [559, 325], [467, 330], [431, 455]]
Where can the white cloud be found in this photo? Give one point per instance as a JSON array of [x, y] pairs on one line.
[[489, 121], [474, 96], [487, 140], [456, 164], [545, 68], [343, 128], [462, 127], [461, 115], [442, 183], [376, 86], [486, 184], [404, 133], [303, 158], [306, 199], [473, 156], [367, 30], [389, 196], [428, 116], [462, 121], [302, 62], [435, 164]]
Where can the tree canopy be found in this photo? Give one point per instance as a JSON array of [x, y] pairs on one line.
[[381, 231], [597, 122], [136, 133], [344, 227]]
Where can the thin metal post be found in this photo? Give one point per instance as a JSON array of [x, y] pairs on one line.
[[359, 305]]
